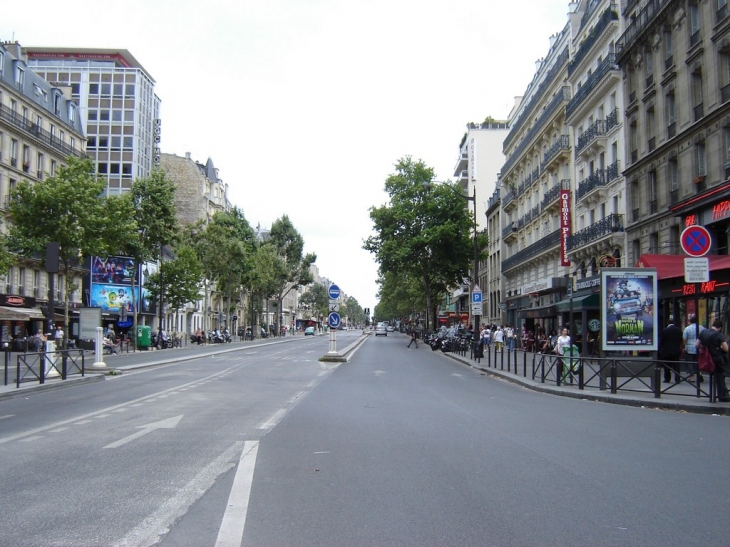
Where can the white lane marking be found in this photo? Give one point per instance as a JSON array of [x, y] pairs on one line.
[[150, 531], [120, 410], [323, 452], [96, 413], [136, 404], [379, 372], [102, 416], [82, 422], [6, 416], [234, 518], [31, 439], [311, 384], [170, 423], [271, 422], [296, 397], [323, 372], [58, 430]]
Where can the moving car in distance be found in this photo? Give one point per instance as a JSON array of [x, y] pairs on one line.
[[309, 331], [381, 330]]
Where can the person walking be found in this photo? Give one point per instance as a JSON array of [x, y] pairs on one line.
[[414, 337], [562, 342], [670, 351], [689, 338], [715, 342], [498, 338], [509, 334]]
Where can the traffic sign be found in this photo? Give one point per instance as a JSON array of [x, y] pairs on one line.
[[476, 308], [333, 320], [334, 292], [696, 241], [696, 270], [476, 297], [502, 306], [334, 307]]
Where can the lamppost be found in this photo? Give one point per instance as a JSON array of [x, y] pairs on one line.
[[475, 278]]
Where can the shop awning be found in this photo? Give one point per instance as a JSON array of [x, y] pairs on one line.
[[668, 266], [585, 302], [537, 313], [19, 314]]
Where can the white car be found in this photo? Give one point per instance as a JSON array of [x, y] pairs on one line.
[[380, 329], [390, 328]]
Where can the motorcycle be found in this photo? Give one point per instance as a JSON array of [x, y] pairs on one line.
[[166, 342]]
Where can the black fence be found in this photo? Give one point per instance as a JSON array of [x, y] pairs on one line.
[[42, 366]]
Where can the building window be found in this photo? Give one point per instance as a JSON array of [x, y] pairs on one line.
[[72, 113], [668, 50], [721, 10], [697, 95], [53, 168], [13, 152], [40, 166], [671, 115], [93, 115], [694, 24], [19, 78], [654, 243], [93, 89], [701, 160], [673, 179], [649, 67], [650, 133], [635, 200]]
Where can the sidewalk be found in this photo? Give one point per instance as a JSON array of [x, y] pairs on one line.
[[679, 397]]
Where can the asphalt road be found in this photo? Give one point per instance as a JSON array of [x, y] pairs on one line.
[[395, 447]]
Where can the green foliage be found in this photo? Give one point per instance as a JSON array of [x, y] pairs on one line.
[[180, 278], [317, 299], [425, 232]]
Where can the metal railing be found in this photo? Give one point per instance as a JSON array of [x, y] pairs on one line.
[[613, 374], [648, 14], [597, 179], [32, 130], [612, 120], [612, 172], [609, 15], [544, 244], [606, 66], [42, 366], [606, 226], [562, 143], [554, 193], [597, 129]]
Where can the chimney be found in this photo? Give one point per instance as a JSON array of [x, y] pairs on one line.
[[15, 50], [187, 155]]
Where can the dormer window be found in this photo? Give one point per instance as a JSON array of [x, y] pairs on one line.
[[57, 103], [72, 113], [19, 78]]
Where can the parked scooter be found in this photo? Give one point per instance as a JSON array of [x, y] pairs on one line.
[[166, 342]]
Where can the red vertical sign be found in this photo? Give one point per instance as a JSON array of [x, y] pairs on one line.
[[564, 226]]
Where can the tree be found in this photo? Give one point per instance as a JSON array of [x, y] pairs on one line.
[[317, 298], [181, 277], [65, 208], [268, 269], [289, 245], [150, 208], [400, 296], [423, 233]]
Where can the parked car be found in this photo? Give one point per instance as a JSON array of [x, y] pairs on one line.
[[390, 328], [309, 331], [381, 330]]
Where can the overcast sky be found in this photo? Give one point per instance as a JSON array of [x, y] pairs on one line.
[[306, 105]]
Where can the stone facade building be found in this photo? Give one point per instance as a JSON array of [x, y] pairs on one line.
[[40, 126]]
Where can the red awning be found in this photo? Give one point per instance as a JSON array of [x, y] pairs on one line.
[[668, 266]]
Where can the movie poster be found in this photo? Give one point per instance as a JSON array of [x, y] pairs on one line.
[[112, 297], [627, 309]]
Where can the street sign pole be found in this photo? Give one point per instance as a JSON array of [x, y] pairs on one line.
[[333, 319]]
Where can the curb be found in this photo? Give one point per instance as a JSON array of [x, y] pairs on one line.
[[52, 385]]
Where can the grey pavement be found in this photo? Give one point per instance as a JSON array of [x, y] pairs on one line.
[[677, 397], [126, 361]]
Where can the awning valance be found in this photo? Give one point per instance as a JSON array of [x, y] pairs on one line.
[[585, 302], [19, 314], [668, 266]]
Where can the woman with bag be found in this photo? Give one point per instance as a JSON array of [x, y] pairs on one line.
[[715, 342]]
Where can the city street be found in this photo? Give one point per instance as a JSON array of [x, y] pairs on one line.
[[265, 445]]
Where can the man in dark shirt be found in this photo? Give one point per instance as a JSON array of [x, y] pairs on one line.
[[715, 342], [670, 350]]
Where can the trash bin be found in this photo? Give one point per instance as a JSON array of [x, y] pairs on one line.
[[144, 336]]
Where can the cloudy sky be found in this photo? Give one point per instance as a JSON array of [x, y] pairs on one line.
[[306, 105]]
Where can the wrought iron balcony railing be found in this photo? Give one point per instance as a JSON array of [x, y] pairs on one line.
[[610, 14], [554, 192], [612, 120], [597, 129], [611, 224], [612, 172], [562, 143], [34, 131], [606, 66], [539, 247], [595, 180]]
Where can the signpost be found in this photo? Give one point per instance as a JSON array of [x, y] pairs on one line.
[[333, 319], [476, 302], [696, 241]]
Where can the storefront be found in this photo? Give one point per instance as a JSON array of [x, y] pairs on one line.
[[539, 311], [581, 311], [678, 299], [19, 319]]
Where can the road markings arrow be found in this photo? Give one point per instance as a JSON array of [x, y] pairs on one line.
[[170, 423]]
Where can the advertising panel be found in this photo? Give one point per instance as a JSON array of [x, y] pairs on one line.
[[627, 309], [111, 284], [564, 226]]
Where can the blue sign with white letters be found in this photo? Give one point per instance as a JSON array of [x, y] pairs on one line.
[[334, 292], [476, 297]]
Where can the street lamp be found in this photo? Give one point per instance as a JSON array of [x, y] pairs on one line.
[[473, 199]]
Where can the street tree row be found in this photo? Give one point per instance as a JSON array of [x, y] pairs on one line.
[[70, 208]]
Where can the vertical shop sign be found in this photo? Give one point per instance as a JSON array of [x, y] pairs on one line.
[[564, 226], [627, 309]]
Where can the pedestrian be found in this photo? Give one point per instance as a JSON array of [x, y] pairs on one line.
[[715, 342], [509, 334], [414, 337], [498, 338], [58, 337], [562, 342], [670, 351], [689, 338]]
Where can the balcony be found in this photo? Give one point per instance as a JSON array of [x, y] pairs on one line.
[[609, 16], [592, 138], [537, 97], [612, 224], [555, 152], [612, 120], [596, 180], [553, 108], [37, 133], [593, 90], [543, 245], [509, 232], [509, 200], [612, 172], [641, 23], [551, 198]]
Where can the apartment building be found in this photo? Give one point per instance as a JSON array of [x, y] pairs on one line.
[[536, 190], [477, 168], [493, 307], [40, 127], [595, 116], [675, 58], [119, 108]]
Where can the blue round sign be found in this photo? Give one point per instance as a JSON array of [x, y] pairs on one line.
[[333, 320], [334, 292]]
